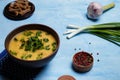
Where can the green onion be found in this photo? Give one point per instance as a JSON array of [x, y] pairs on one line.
[[15, 39], [22, 40], [45, 39], [54, 45], [27, 33], [22, 43], [47, 47], [38, 33], [107, 31], [26, 56], [33, 43], [13, 53], [39, 56]]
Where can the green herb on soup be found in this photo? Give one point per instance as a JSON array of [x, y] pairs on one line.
[[27, 33], [39, 56], [26, 56], [38, 33], [15, 39], [13, 52], [54, 45]]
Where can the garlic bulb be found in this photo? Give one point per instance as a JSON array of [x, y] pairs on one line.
[[95, 10]]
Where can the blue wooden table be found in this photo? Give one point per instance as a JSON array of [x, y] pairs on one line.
[[58, 14]]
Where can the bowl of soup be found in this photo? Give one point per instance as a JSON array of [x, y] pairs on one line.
[[32, 45]]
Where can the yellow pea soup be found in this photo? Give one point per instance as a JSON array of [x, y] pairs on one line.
[[32, 45]]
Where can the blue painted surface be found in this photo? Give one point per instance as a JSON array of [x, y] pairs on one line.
[[58, 14]]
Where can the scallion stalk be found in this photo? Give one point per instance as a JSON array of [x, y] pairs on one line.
[[108, 31]]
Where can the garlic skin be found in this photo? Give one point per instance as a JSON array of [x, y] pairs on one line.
[[94, 10]]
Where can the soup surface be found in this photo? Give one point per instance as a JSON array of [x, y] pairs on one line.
[[32, 45]]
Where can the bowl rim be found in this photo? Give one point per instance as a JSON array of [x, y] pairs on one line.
[[82, 66], [26, 25]]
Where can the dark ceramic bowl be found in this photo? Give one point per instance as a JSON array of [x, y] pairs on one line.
[[32, 63], [82, 61], [12, 16]]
